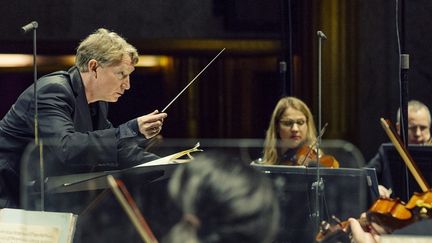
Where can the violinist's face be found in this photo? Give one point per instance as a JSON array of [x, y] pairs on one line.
[[292, 128], [418, 126]]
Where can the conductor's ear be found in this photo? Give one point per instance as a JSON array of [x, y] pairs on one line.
[[92, 65]]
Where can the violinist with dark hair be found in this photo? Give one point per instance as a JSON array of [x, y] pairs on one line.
[[291, 135], [223, 201]]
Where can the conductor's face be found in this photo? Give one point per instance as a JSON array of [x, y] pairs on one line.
[[292, 128], [112, 81], [418, 127]]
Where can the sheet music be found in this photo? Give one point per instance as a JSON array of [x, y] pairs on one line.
[[162, 161], [22, 233], [24, 226], [173, 158]]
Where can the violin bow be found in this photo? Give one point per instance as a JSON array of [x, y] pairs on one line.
[[166, 107], [128, 203], [323, 129], [406, 157]]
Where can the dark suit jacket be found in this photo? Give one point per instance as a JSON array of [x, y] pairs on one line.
[[382, 168], [76, 136]]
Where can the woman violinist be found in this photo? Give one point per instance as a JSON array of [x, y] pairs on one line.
[[291, 129]]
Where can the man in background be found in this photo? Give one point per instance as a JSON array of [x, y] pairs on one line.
[[419, 122]]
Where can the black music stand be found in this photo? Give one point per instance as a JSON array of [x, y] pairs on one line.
[[394, 168], [97, 180], [92, 183], [89, 196], [345, 193]]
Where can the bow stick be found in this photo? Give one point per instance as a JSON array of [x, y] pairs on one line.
[[131, 209]]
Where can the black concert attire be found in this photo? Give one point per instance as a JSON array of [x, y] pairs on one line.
[[79, 134], [380, 163], [287, 158], [382, 168]]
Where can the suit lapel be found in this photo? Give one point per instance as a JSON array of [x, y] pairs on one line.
[[82, 118]]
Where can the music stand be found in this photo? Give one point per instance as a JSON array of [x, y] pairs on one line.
[[347, 193], [89, 196], [394, 168]]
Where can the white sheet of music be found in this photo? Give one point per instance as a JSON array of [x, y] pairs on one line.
[[173, 158], [164, 161]]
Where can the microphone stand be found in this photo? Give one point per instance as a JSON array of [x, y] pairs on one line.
[[403, 85], [404, 67], [318, 185], [403, 75], [26, 28], [286, 46]]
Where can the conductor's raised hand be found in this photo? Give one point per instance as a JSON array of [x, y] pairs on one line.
[[151, 124]]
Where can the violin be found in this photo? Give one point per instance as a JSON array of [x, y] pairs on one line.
[[421, 204], [388, 214], [306, 153]]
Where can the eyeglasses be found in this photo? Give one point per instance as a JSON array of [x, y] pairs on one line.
[[290, 123], [414, 128]]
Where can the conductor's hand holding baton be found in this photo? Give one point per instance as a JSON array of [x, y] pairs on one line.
[[151, 124]]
